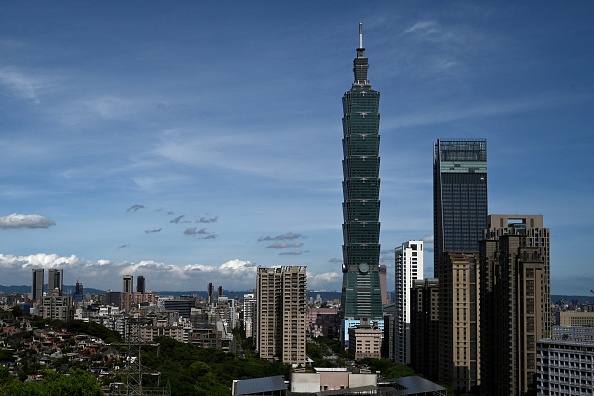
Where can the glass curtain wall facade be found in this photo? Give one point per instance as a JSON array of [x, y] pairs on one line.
[[459, 195], [361, 291]]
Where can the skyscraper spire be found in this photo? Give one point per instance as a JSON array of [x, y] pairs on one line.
[[361, 63]]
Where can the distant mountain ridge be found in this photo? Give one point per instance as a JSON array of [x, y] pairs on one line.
[[324, 295]]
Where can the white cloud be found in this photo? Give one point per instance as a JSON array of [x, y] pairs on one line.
[[25, 221], [428, 239], [327, 280], [105, 274]]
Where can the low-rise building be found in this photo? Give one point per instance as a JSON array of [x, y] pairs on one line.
[[565, 362], [365, 341]]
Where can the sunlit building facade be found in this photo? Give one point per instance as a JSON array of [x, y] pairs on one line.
[[408, 268]]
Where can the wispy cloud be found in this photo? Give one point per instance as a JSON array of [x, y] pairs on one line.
[[207, 220], [193, 231], [178, 220], [445, 114], [20, 84], [292, 253], [423, 28], [153, 231], [285, 245], [281, 237], [25, 221], [135, 208]]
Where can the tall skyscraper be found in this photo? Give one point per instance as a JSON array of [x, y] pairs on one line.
[[140, 285], [281, 313], [128, 284], [361, 291], [37, 284], [408, 268], [515, 302], [459, 195], [55, 280]]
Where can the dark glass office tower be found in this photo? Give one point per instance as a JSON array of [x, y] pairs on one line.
[[361, 291], [55, 280], [459, 195]]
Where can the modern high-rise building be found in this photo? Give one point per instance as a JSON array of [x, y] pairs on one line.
[[515, 302], [140, 284], [459, 196], [37, 284], [55, 280], [459, 324], [424, 327], [281, 314], [128, 284], [361, 291], [249, 313], [408, 268]]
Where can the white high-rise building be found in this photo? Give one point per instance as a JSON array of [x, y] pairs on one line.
[[408, 268], [249, 313]]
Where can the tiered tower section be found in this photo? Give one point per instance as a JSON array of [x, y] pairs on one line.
[[361, 292]]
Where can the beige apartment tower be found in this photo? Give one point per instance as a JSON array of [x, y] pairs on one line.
[[459, 327], [515, 302], [281, 313]]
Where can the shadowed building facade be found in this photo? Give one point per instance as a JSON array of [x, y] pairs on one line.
[[515, 302], [55, 280], [37, 284], [459, 322], [361, 289], [424, 327], [459, 196]]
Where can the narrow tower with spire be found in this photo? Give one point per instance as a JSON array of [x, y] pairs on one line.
[[361, 292]]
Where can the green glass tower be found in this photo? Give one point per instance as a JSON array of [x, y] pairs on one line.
[[361, 294]]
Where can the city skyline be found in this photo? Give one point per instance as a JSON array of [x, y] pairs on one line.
[[190, 144]]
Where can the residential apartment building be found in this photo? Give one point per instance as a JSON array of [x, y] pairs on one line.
[[408, 268], [515, 302], [459, 331], [281, 314]]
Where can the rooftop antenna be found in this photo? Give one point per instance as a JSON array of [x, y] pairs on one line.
[[360, 34]]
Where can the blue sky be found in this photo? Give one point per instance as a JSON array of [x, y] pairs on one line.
[[190, 142]]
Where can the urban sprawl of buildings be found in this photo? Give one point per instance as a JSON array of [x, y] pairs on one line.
[[485, 322]]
